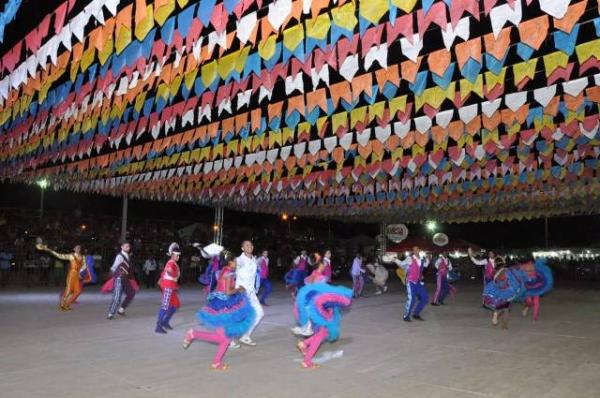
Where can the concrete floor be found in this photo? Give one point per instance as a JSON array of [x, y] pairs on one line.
[[455, 353]]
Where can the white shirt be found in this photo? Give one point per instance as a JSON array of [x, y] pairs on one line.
[[424, 262], [482, 261], [150, 265], [357, 267], [245, 273]]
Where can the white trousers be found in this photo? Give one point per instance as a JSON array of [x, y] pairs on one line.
[[255, 303]]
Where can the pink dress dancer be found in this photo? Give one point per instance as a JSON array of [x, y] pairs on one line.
[[227, 314]]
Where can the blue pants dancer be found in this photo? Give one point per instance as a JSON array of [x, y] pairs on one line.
[[265, 283], [415, 291], [122, 285]]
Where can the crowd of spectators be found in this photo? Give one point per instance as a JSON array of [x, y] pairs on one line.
[[99, 236], [21, 264]]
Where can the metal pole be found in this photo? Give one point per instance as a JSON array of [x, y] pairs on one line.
[[124, 220], [218, 226], [42, 204]]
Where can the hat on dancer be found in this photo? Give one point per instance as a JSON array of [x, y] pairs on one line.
[[173, 249]]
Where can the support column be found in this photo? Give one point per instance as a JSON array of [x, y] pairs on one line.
[[382, 241], [124, 219], [218, 226]]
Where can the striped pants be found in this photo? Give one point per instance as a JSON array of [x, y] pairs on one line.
[[121, 286], [169, 299]]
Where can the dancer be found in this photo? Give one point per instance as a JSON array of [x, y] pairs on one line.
[[328, 269], [319, 303], [357, 272], [227, 314], [247, 277], [317, 276], [539, 282], [212, 253], [210, 275], [122, 273], [488, 265], [168, 285], [294, 279], [77, 264], [379, 278], [265, 283], [489, 271], [443, 265], [415, 287]]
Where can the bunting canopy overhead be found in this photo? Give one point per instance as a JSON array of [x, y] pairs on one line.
[[458, 110]]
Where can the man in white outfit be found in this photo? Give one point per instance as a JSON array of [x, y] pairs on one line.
[[246, 275]]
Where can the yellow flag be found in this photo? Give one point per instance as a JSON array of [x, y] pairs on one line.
[[357, 115], [405, 5], [288, 135], [525, 69], [240, 62], [164, 8], [107, 49], [190, 78], [175, 85], [397, 104], [226, 64], [292, 37], [466, 87], [143, 27], [209, 73], [338, 119], [317, 28], [376, 110], [266, 48], [554, 61], [588, 50], [275, 137], [345, 16], [491, 79], [373, 10]]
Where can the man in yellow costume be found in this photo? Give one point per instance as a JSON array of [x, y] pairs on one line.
[[77, 264]]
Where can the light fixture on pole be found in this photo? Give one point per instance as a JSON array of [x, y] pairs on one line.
[[43, 184], [431, 226]]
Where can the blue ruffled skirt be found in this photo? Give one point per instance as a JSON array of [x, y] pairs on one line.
[[232, 313]]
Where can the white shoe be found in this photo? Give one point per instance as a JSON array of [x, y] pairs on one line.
[[233, 344], [385, 289], [248, 341], [377, 293], [307, 331], [121, 311], [296, 330]]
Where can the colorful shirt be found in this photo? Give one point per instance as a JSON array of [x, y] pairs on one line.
[[443, 265], [414, 267], [489, 264], [301, 262], [169, 276], [264, 267]]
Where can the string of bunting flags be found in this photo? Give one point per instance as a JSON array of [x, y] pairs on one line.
[[465, 110]]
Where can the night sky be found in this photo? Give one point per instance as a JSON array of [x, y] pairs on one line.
[[580, 231]]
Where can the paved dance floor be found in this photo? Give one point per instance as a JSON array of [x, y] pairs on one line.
[[456, 352]]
